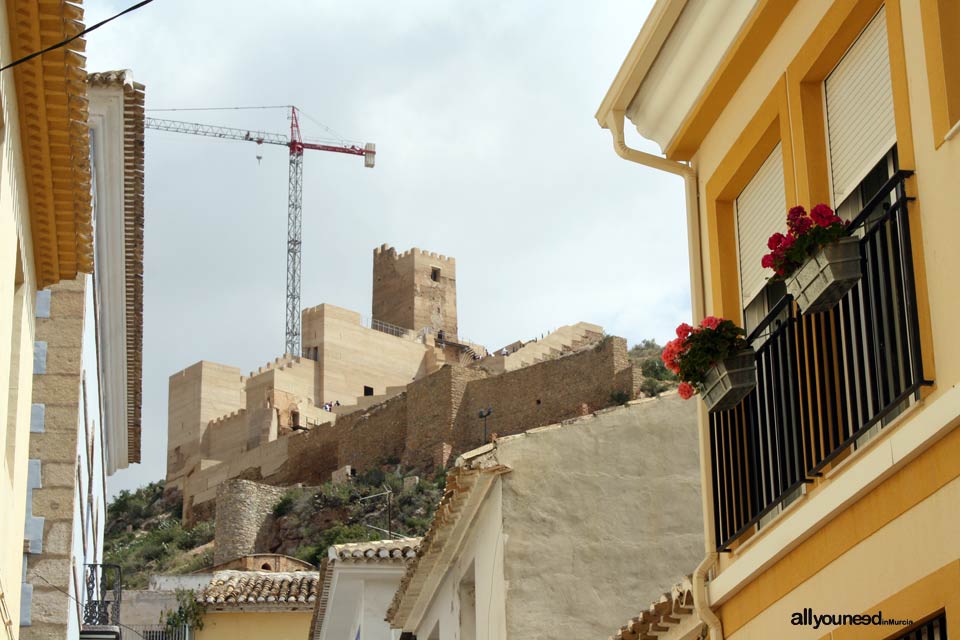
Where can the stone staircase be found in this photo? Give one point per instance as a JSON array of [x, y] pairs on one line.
[[564, 340], [365, 402]]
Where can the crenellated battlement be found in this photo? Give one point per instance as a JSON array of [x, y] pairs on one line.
[[386, 251], [224, 418], [277, 363]]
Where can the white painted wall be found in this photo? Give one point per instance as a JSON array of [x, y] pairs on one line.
[[484, 551]]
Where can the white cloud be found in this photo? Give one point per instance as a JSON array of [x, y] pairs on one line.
[[488, 151]]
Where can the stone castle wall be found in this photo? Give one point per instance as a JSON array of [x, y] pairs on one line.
[[435, 418]]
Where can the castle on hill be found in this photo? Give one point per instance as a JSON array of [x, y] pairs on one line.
[[404, 387]]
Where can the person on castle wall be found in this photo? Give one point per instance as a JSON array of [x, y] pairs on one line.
[[337, 403]]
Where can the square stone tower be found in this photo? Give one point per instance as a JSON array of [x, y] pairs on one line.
[[415, 289]]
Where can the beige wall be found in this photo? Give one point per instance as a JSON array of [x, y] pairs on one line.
[[275, 625], [600, 516], [197, 394], [17, 294], [863, 562], [352, 356]]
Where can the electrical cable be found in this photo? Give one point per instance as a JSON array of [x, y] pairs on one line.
[[81, 34], [336, 134], [278, 106]]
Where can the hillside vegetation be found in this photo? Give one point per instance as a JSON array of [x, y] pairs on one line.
[[656, 377], [144, 534]]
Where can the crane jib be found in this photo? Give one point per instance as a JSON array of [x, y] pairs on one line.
[[297, 146]]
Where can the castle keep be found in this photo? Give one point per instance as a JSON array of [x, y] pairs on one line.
[[405, 388]]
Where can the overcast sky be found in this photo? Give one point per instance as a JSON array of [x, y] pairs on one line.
[[487, 150]]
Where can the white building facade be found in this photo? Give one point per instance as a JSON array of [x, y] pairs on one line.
[[85, 415]]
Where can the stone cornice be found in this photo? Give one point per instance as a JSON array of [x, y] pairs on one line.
[[52, 106]]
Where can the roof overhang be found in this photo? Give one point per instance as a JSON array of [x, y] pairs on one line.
[[116, 120], [344, 570], [52, 112], [466, 490], [686, 64]]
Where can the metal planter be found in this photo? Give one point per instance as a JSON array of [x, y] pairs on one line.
[[826, 276], [728, 382]]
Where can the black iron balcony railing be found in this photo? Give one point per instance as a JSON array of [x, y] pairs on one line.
[[103, 589], [823, 379]]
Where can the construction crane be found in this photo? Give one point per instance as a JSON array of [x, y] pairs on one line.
[[297, 145]]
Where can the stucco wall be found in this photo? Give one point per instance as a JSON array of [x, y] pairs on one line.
[[600, 516], [276, 625], [483, 556]]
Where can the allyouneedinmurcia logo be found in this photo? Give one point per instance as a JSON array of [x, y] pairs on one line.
[[808, 618]]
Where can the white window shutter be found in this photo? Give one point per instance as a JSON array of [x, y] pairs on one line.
[[859, 101], [761, 211]]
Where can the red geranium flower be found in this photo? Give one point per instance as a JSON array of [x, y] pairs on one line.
[[711, 322], [685, 390], [823, 215]]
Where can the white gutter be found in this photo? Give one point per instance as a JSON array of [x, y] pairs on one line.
[[953, 131], [700, 599], [615, 124]]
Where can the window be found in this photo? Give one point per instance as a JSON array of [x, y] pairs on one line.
[[935, 629], [367, 391], [468, 605], [859, 106], [435, 274], [761, 210]]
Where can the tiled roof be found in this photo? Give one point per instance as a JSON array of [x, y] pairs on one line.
[[460, 483], [376, 551], [401, 550], [261, 588], [51, 95], [133, 115], [671, 609]]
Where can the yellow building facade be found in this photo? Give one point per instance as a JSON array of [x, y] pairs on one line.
[[832, 488], [45, 232]]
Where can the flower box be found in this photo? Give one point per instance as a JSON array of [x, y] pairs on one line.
[[826, 276], [729, 381]]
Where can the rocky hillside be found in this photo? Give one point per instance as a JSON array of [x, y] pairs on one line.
[[144, 534]]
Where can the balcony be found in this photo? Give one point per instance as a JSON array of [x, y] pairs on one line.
[[101, 606], [826, 381]]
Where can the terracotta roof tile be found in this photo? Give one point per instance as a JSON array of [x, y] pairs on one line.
[[460, 482], [376, 551], [261, 588], [671, 609], [133, 154], [402, 550]]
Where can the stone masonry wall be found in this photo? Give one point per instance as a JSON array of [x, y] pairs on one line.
[[243, 508], [545, 393], [433, 421], [53, 463]]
